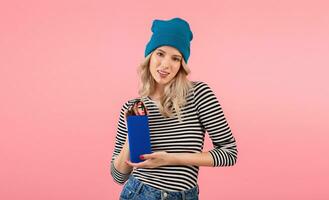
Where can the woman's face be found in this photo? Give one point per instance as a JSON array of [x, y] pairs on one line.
[[164, 64]]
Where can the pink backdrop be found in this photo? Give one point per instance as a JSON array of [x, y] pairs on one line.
[[66, 67]]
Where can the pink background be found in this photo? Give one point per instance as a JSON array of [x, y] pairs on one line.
[[66, 67]]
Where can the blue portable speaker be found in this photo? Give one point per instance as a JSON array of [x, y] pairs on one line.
[[138, 137]]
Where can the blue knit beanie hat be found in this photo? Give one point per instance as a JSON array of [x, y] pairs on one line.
[[175, 32]]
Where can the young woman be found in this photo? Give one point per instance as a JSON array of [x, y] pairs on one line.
[[180, 112]]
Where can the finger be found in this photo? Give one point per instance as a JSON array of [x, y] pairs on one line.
[[147, 156], [137, 165]]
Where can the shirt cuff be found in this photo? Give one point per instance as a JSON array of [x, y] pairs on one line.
[[118, 177]]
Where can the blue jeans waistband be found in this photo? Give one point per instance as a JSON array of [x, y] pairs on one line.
[[135, 189]]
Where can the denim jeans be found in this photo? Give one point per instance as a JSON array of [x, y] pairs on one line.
[[136, 190]]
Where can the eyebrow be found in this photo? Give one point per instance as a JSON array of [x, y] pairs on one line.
[[173, 55]]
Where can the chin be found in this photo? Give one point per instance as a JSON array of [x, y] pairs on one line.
[[162, 82]]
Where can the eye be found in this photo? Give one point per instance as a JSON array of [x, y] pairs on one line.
[[176, 59], [160, 54]]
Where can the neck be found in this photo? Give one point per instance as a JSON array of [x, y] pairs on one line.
[[158, 92]]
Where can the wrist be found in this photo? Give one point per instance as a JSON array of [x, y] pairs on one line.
[[174, 159]]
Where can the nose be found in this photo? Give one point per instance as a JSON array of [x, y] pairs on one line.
[[165, 63]]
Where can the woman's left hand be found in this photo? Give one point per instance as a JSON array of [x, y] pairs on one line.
[[153, 160]]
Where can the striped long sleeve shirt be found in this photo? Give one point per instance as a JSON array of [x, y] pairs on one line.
[[202, 113]]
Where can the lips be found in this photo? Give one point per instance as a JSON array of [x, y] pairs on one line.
[[162, 72]]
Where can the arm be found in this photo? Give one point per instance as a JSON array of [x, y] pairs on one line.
[[212, 118], [120, 171], [162, 158]]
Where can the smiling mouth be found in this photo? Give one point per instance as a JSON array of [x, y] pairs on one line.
[[163, 73]]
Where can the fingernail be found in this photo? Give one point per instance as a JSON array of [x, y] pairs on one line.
[[141, 157]]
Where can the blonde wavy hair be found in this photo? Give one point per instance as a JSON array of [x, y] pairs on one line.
[[175, 91]]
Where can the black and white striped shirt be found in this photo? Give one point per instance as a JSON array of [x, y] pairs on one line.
[[201, 114]]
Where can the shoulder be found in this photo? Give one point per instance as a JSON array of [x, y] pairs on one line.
[[200, 86], [202, 92]]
